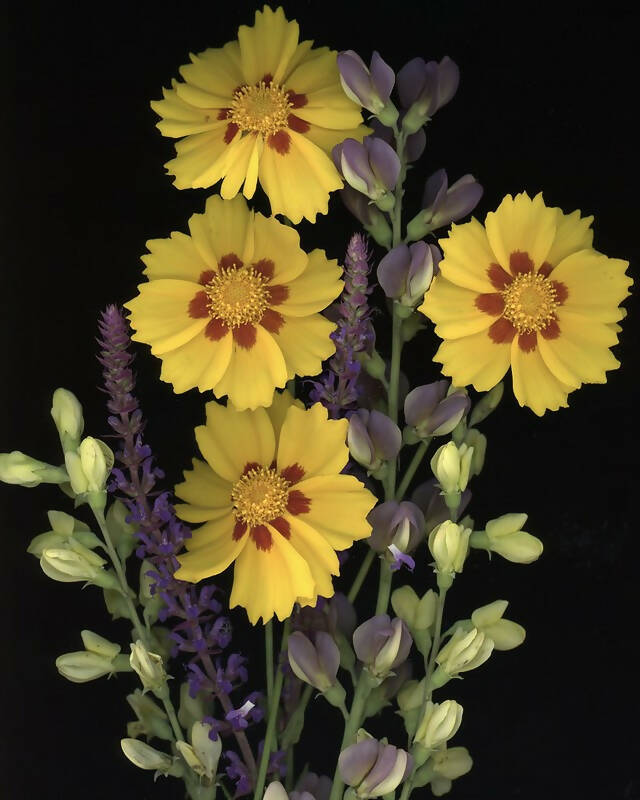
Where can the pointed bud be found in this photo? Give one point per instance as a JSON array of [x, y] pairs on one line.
[[405, 273], [465, 650], [152, 720], [371, 167], [145, 756], [382, 644], [67, 415], [370, 88], [22, 470], [149, 667], [439, 723], [487, 403], [435, 410], [276, 791], [314, 663], [83, 666], [505, 634], [97, 644], [505, 537], [477, 442], [449, 545], [424, 88], [97, 461], [373, 438]]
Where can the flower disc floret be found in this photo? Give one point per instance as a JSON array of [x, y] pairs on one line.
[[263, 108], [530, 302], [237, 296], [260, 495]]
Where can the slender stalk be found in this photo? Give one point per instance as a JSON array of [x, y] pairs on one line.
[[354, 720], [290, 734], [384, 587], [367, 561], [268, 648], [411, 469]]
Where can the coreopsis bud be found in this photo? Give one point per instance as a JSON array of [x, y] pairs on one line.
[[22, 470], [371, 167], [504, 633], [418, 612], [147, 757], [373, 438], [410, 701], [449, 545], [465, 650], [203, 754], [371, 218], [67, 415], [478, 443], [424, 87], [443, 204], [451, 466], [505, 536], [64, 529], [76, 563], [405, 273], [151, 719], [315, 663], [149, 667], [382, 644], [374, 768], [368, 87], [439, 723], [435, 410], [487, 403]]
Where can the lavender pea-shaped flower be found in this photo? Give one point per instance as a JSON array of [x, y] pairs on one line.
[[424, 87], [371, 86], [371, 168], [443, 204]]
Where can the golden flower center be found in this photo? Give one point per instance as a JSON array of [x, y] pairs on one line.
[[530, 302], [237, 295], [260, 108], [260, 495]]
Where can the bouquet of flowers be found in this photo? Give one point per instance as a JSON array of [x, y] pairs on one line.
[[321, 466]]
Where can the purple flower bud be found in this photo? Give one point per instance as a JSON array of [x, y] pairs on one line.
[[425, 87], [405, 273], [371, 167], [373, 438], [444, 204], [432, 412], [382, 644], [414, 143], [400, 524], [316, 664], [428, 498], [318, 786], [374, 768], [370, 88]]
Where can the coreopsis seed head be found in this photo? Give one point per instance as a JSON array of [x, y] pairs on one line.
[[435, 409], [22, 470], [418, 612], [373, 438], [315, 663], [451, 465], [465, 650], [371, 86], [439, 723], [443, 204], [504, 633], [149, 667], [147, 757], [203, 754], [382, 644], [371, 167], [405, 273], [505, 536], [424, 87], [449, 545], [374, 768], [67, 415]]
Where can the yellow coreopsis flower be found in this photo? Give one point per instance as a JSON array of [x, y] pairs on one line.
[[527, 291], [272, 500], [234, 306], [264, 108]]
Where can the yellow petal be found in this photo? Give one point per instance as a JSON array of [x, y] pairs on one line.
[[524, 225], [225, 227], [329, 453], [253, 375], [159, 314], [180, 118], [453, 310], [281, 244], [216, 532], [231, 439], [467, 257], [277, 411], [475, 360], [211, 558], [200, 159], [198, 363], [268, 46], [534, 385], [202, 487], [237, 169], [315, 288], [338, 509], [175, 257], [251, 181], [316, 551], [573, 233], [305, 343], [216, 71], [298, 183], [327, 139]]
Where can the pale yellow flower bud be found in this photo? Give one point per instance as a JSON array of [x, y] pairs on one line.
[[478, 442], [22, 470], [83, 666], [96, 460], [67, 415], [145, 756], [76, 563], [465, 650], [445, 465], [203, 754], [276, 791], [439, 724], [149, 667], [504, 633], [506, 537], [452, 763], [449, 545], [97, 644]]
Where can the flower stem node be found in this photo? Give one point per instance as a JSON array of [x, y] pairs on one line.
[[150, 669], [451, 466], [67, 415], [373, 438], [203, 754], [22, 470], [382, 644], [374, 768], [146, 757], [505, 536], [440, 722]]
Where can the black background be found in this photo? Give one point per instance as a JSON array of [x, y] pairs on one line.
[[546, 102]]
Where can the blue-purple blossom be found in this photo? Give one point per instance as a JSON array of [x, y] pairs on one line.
[[371, 167], [369, 87], [424, 87]]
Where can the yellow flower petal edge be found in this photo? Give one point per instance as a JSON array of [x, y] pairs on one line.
[[266, 108], [280, 521], [528, 292], [234, 306]]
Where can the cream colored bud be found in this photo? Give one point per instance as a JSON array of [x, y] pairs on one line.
[[445, 465], [466, 459], [99, 645], [78, 479], [439, 724], [22, 470], [452, 763], [478, 441], [82, 666], [97, 461], [67, 415], [276, 791], [506, 537], [504, 633], [465, 650], [449, 545], [203, 754], [145, 756], [507, 523], [69, 565], [411, 695], [417, 612], [149, 667]]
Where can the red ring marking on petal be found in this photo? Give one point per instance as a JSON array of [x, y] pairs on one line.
[[239, 530], [280, 142], [216, 329], [272, 321], [293, 473], [502, 331], [223, 113], [491, 303], [265, 267], [206, 276], [520, 262], [230, 260], [545, 269], [262, 537], [245, 335], [231, 131], [298, 503], [552, 331], [296, 124], [282, 526], [297, 100], [499, 277], [198, 306], [528, 342], [561, 292], [249, 466], [278, 293]]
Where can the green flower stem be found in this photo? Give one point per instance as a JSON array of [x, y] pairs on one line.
[[291, 733], [367, 561], [412, 468], [271, 722], [268, 648], [384, 587]]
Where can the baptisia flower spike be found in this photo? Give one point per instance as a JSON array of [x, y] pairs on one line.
[[369, 87], [527, 291], [273, 500], [234, 306], [374, 768], [371, 168]]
